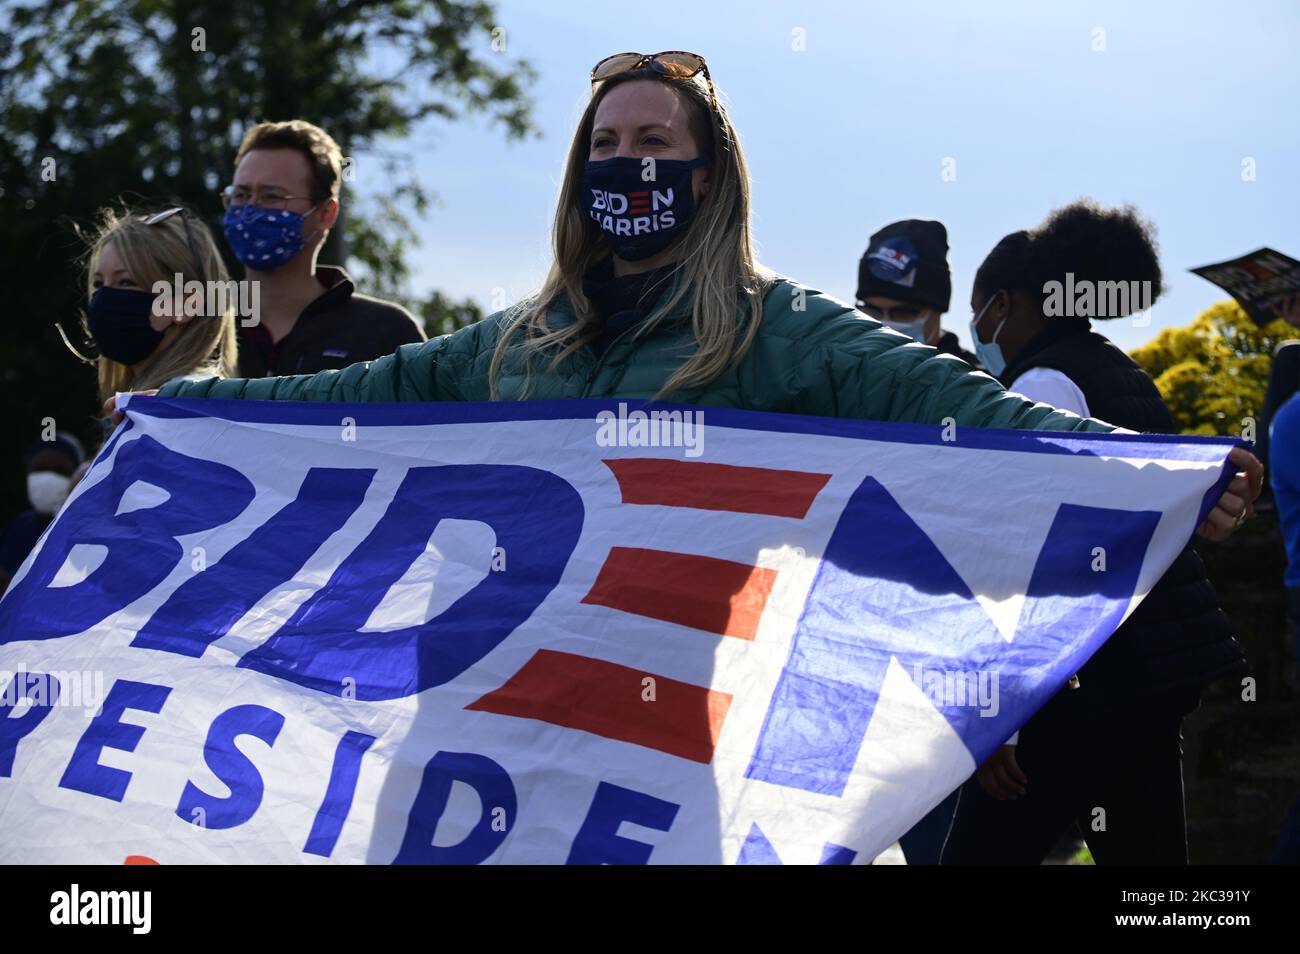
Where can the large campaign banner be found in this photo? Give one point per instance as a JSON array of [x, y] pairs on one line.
[[554, 632]]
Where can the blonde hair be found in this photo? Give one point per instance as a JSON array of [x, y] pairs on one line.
[[205, 344], [715, 261]]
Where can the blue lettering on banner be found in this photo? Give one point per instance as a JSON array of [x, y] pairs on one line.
[[895, 596], [107, 731], [837, 855], [338, 793], [598, 841], [757, 850], [231, 767], [204, 607], [142, 545], [537, 517], [41, 691], [496, 792]]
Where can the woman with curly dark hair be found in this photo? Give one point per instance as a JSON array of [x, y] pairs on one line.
[[1106, 752]]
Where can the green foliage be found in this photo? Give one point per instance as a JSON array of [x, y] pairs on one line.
[[442, 315], [1213, 373], [102, 100], [1082, 857]]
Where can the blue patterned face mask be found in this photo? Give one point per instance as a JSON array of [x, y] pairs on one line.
[[264, 239]]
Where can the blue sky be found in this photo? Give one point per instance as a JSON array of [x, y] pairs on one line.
[[851, 132]]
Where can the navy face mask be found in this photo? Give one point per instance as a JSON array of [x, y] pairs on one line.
[[118, 319], [640, 218]]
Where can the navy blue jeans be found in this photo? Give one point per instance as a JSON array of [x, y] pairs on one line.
[[923, 843], [1288, 845], [1122, 783]]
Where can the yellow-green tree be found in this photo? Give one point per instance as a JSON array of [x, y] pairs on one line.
[[1213, 373]]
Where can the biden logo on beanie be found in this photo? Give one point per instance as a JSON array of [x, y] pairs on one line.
[[894, 261]]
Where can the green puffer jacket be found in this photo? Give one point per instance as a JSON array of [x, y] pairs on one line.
[[812, 355]]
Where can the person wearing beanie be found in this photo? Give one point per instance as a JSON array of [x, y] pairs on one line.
[[904, 282]]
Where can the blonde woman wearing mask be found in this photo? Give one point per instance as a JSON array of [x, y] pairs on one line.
[[655, 292], [146, 339]]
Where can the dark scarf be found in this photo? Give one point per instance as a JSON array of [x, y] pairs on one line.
[[622, 301]]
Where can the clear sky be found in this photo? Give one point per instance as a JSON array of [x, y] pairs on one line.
[[851, 132]]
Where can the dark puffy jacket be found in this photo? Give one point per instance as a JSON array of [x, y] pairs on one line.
[[1178, 639]]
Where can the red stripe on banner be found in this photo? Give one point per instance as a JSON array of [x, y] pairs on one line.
[[609, 700], [681, 483], [717, 596]]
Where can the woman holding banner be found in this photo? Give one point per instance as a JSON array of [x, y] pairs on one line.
[[1107, 751], [655, 293]]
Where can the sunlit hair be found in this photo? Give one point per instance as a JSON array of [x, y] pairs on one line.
[[203, 344], [323, 155], [715, 256]]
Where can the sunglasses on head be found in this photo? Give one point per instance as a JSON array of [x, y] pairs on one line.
[[673, 64], [166, 214]]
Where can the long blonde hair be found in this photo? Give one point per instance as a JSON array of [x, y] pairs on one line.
[[152, 253], [716, 258]]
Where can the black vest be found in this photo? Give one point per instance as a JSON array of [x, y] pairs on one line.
[[1178, 639]]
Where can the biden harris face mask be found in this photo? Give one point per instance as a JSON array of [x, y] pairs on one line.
[[638, 217]]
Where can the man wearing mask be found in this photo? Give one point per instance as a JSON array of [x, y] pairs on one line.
[[903, 281], [50, 466], [279, 209]]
